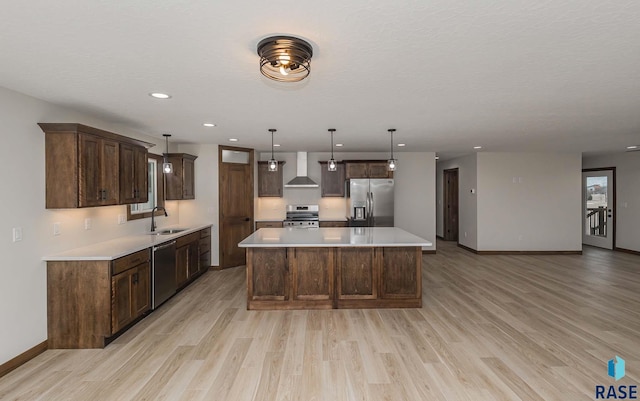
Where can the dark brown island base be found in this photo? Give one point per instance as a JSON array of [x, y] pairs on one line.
[[325, 268]]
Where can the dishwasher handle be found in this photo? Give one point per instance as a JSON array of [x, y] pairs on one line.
[[163, 246]]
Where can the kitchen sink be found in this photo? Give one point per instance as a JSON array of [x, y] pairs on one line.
[[168, 231]]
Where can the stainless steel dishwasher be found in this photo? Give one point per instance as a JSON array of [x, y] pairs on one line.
[[163, 273]]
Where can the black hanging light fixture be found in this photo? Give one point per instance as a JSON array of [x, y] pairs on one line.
[[392, 163], [273, 164], [285, 58], [167, 167], [332, 165]]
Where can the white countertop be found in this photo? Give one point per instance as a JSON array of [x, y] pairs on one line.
[[116, 248], [332, 237]]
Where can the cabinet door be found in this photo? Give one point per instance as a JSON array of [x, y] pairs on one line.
[[269, 182], [356, 170], [267, 274], [268, 224], [357, 276], [141, 174], [110, 172], [333, 224], [378, 170], [90, 174], [401, 273], [205, 253], [194, 258], [188, 177], [312, 273], [332, 182], [128, 174], [141, 289], [182, 264], [121, 300]]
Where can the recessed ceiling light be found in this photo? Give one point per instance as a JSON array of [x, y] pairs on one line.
[[276, 145], [339, 145], [477, 147], [632, 147], [159, 95], [209, 124], [233, 139], [401, 145]]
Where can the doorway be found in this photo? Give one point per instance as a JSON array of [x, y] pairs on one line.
[[450, 194], [235, 195], [598, 194]]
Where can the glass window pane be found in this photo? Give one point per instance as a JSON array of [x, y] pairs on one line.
[[597, 201], [235, 156]]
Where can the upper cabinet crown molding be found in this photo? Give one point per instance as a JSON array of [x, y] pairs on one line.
[[83, 166], [75, 127]]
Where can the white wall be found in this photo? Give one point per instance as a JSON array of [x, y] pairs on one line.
[[23, 308], [414, 190], [627, 195], [467, 202], [204, 208], [529, 201]]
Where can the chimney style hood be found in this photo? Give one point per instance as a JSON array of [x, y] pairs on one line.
[[301, 180]]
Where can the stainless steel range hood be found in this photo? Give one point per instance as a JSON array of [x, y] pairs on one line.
[[301, 180]]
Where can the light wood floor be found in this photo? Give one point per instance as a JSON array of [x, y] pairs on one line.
[[491, 328]]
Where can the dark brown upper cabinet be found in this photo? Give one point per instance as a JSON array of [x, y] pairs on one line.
[[180, 184], [332, 182], [134, 174], [269, 182], [367, 169], [82, 165]]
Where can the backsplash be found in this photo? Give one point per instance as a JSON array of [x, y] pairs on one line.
[[274, 208]]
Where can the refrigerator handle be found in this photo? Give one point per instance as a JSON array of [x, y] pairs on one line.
[[372, 205]]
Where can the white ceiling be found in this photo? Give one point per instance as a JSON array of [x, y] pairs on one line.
[[516, 75]]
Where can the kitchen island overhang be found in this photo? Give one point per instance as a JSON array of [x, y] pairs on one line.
[[324, 268]]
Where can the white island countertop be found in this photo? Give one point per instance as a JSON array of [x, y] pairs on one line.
[[331, 237], [116, 248]]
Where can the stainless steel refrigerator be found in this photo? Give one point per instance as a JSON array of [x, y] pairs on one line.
[[371, 202]]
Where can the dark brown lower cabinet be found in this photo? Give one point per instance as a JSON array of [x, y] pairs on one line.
[[90, 301], [187, 258], [325, 277]]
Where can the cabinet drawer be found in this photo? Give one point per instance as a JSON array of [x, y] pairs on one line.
[[333, 224], [127, 262], [268, 224], [187, 239], [205, 232]]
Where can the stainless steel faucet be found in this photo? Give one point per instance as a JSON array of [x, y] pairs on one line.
[[153, 216]]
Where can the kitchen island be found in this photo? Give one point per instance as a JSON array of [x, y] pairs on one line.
[[324, 268]]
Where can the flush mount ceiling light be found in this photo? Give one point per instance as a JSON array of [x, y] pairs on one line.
[[332, 165], [285, 58], [273, 164], [167, 167], [391, 163]]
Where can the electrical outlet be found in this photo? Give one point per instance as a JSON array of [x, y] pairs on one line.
[[122, 219], [87, 224], [17, 234], [520, 237], [465, 234], [56, 228], [624, 205]]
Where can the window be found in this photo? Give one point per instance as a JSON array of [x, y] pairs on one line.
[[155, 190]]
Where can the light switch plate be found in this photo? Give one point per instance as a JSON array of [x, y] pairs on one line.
[[56, 228], [17, 234], [122, 219], [87, 224]]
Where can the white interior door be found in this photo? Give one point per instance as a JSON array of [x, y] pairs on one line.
[[598, 208]]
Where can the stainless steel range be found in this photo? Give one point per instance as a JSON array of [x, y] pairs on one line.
[[302, 216]]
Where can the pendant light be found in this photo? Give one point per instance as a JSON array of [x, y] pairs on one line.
[[273, 164], [167, 167], [332, 165], [392, 163]]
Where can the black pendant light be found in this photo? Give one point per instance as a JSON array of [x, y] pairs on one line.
[[273, 164], [332, 165], [285, 58], [167, 167], [392, 163]]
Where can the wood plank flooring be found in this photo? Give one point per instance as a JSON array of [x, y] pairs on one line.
[[492, 327]]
